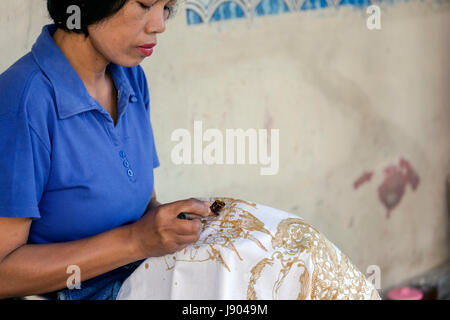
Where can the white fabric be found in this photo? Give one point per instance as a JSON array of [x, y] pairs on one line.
[[251, 251]]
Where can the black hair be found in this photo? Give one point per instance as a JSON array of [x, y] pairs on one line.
[[92, 11]]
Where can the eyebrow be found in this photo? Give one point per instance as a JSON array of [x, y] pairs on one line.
[[156, 1], [167, 1]]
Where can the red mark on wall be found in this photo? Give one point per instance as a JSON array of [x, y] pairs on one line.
[[396, 178], [365, 177]]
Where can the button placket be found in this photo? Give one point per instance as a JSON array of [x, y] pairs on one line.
[[128, 96], [128, 170]]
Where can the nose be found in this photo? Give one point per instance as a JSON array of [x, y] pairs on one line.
[[157, 21]]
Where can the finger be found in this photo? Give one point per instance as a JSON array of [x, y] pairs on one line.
[[189, 216], [188, 227], [185, 240], [193, 206]]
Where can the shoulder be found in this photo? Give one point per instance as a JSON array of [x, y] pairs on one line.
[[24, 87], [26, 94]]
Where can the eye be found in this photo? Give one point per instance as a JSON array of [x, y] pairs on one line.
[[143, 6], [169, 10]]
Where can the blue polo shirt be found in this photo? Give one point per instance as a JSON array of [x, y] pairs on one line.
[[63, 161]]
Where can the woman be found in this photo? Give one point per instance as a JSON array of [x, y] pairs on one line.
[[78, 155]]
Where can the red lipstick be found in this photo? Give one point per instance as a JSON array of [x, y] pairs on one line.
[[147, 49]]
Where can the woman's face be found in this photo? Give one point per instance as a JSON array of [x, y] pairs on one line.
[[119, 37]]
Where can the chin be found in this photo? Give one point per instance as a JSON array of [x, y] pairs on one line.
[[128, 63]]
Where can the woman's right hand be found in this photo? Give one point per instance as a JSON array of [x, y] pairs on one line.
[[159, 232]]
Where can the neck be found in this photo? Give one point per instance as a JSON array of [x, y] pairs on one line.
[[89, 64]]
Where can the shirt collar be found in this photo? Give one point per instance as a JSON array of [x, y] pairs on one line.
[[71, 94]]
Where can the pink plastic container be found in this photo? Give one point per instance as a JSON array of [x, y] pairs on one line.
[[405, 293]]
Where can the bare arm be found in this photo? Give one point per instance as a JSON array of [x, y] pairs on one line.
[[27, 269]]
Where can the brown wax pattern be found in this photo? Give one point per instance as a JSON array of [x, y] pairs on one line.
[[332, 276], [232, 224]]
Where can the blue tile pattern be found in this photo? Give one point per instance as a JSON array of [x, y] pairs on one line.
[[203, 11]]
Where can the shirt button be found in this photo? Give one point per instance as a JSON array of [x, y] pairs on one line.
[[133, 99], [126, 164], [130, 173], [122, 154]]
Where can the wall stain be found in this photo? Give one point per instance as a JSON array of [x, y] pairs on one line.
[[396, 178], [365, 177]]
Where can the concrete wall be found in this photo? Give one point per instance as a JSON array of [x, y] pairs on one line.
[[347, 101]]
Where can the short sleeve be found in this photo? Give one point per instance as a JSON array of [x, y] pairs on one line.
[[143, 86], [156, 163], [146, 96], [24, 167]]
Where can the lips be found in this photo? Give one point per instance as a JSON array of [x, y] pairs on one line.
[[148, 46], [147, 49]]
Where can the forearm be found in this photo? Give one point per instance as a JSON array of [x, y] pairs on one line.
[[39, 268]]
